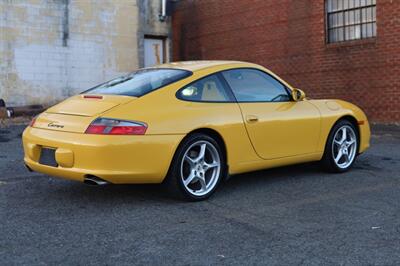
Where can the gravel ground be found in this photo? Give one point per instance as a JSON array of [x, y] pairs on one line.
[[287, 216]]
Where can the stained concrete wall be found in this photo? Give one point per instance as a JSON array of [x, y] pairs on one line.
[[51, 49]]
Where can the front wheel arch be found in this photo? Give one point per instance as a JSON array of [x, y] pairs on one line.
[[327, 159], [354, 122]]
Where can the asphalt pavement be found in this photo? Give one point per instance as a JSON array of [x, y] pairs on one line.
[[295, 215]]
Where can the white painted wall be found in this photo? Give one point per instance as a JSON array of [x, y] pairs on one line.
[[35, 66]]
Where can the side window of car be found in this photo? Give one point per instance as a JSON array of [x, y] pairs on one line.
[[251, 85], [208, 89]]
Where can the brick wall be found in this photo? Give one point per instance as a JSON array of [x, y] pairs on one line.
[[288, 37]]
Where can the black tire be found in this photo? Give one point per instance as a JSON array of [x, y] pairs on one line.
[[328, 160], [173, 182]]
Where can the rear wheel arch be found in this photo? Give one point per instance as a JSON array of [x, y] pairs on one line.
[[173, 181], [213, 134]]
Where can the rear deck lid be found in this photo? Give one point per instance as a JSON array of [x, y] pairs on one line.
[[76, 113], [89, 105]]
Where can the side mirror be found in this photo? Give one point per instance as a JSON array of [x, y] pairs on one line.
[[298, 95]]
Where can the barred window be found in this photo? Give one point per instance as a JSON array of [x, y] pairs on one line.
[[350, 19]]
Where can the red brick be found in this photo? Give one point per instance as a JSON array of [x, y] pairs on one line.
[[288, 37]]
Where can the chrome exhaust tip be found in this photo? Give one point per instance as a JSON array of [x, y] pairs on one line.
[[94, 181]]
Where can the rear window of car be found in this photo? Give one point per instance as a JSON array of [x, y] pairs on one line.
[[140, 82]]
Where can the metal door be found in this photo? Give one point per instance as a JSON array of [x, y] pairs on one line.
[[154, 51]]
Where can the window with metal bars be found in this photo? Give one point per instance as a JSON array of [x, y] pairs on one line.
[[350, 20]]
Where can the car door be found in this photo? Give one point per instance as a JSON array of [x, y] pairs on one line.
[[276, 125]]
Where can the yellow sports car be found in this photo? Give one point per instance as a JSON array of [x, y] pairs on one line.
[[189, 125]]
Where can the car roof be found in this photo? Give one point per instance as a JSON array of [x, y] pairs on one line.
[[200, 64], [195, 66]]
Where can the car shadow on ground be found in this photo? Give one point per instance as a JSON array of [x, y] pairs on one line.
[[244, 183]]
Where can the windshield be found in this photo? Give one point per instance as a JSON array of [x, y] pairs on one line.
[[140, 82]]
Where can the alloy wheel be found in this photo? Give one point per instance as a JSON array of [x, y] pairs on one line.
[[344, 146], [200, 168]]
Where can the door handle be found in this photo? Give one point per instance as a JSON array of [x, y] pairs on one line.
[[251, 118]]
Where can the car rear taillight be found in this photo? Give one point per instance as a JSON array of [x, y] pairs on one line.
[[107, 126]]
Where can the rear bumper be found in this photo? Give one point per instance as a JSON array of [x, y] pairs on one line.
[[116, 159]]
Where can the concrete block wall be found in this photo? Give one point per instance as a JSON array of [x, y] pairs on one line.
[[28, 44], [51, 49]]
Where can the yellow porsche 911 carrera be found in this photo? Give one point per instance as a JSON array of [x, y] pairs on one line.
[[189, 125]]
